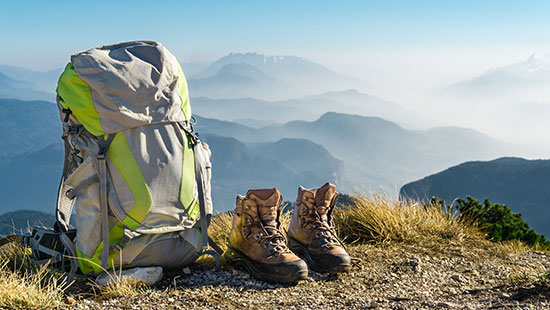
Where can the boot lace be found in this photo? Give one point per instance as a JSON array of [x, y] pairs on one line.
[[273, 238], [324, 231]]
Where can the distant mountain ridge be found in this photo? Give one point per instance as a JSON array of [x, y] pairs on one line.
[[21, 221], [285, 77], [27, 126], [526, 80], [45, 81], [519, 183], [376, 153], [19, 89], [310, 108]]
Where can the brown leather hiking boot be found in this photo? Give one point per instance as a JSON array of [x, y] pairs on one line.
[[256, 241], [311, 231]]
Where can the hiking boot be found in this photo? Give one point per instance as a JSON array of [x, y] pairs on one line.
[[256, 241], [311, 231]]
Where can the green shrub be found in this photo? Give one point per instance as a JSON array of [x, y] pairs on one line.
[[497, 221]]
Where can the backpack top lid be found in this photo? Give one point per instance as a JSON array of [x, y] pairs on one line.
[[117, 87]]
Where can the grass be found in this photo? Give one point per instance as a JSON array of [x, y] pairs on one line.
[[374, 220], [24, 285], [378, 219], [118, 288]]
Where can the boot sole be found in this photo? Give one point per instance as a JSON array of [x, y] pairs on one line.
[[302, 251], [237, 259]]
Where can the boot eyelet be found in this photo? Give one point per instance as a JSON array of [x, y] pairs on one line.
[[247, 207], [246, 231]]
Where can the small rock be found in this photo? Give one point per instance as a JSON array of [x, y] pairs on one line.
[[149, 275], [186, 270], [456, 278]]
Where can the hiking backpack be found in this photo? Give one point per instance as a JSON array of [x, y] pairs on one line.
[[134, 170]]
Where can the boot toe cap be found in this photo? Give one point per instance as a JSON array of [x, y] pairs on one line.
[[332, 263]]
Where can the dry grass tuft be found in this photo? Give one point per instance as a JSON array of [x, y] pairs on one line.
[[378, 219], [219, 229], [25, 285], [119, 288]]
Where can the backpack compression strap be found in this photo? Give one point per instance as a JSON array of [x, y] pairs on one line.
[[102, 172], [200, 170]]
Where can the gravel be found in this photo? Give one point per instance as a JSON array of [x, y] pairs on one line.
[[399, 276]]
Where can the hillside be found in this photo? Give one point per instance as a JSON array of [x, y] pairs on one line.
[[237, 167], [520, 184], [30, 180], [24, 90], [309, 108], [22, 220], [27, 126], [376, 153]]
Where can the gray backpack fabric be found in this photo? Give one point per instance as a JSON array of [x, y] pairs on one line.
[[135, 172]]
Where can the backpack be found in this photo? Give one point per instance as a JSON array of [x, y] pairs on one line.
[[135, 172]]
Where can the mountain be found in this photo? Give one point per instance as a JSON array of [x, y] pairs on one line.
[[309, 108], [45, 81], [526, 80], [376, 153], [30, 180], [237, 80], [237, 167], [22, 221], [18, 89], [299, 76], [27, 126], [518, 183]]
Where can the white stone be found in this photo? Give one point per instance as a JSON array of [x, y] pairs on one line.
[[149, 275]]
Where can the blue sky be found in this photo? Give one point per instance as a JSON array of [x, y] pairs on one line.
[[43, 34]]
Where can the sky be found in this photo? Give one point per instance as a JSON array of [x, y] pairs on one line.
[[403, 50]]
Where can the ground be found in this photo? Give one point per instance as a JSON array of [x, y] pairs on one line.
[[398, 276]]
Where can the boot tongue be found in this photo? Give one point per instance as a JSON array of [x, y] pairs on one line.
[[323, 197], [268, 201]]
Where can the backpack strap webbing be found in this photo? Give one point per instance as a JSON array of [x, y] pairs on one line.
[[102, 173], [200, 171]]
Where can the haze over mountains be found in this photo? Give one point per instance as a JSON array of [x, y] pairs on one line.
[[526, 81], [240, 75]]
